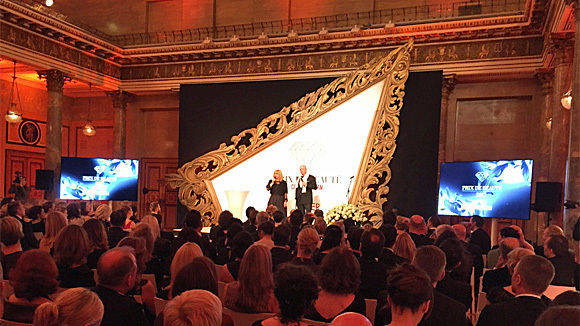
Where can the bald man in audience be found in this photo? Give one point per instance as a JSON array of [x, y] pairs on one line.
[[500, 276], [350, 319], [531, 278], [418, 231], [117, 272]]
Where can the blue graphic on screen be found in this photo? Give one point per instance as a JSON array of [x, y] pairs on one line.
[[98, 179], [486, 188]]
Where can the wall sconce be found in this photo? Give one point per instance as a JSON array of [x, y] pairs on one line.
[[566, 100], [549, 123]]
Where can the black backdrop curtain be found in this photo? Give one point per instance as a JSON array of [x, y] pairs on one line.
[[209, 114]]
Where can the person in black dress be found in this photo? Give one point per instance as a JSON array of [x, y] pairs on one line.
[[278, 189]]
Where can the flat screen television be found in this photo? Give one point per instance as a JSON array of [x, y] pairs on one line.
[[99, 179], [500, 189]]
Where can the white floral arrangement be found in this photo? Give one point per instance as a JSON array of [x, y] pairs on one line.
[[344, 212]]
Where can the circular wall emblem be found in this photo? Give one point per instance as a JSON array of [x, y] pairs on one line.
[[29, 132]]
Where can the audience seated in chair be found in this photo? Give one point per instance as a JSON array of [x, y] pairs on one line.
[[449, 286], [103, 215], [500, 276], [98, 241], [70, 254], [16, 210], [445, 310], [389, 257], [10, 236], [253, 292], [418, 231], [333, 237], [409, 294], [374, 271], [265, 231], [115, 233], [73, 307], [557, 252], [34, 282], [281, 252], [404, 246], [295, 288], [530, 279], [549, 231], [241, 242], [194, 308], [339, 281], [478, 235], [117, 273], [306, 246], [55, 221], [559, 316]]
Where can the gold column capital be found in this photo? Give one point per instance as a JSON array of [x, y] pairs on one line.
[[120, 98], [561, 46], [449, 82], [55, 79], [546, 78]]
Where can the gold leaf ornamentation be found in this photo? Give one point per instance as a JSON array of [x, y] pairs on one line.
[[194, 178]]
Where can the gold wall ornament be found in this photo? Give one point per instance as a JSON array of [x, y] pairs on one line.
[[194, 179]]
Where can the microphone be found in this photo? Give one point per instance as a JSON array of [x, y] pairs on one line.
[[352, 177]]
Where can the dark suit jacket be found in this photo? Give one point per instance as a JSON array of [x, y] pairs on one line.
[[444, 311], [391, 259], [520, 311], [115, 234], [374, 274], [122, 309], [566, 270], [421, 240], [310, 185], [481, 239], [495, 278], [456, 290], [280, 256]]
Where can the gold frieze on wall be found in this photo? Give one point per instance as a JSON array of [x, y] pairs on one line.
[[42, 45], [421, 54]]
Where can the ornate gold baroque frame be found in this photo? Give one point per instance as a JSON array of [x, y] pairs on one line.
[[370, 188]]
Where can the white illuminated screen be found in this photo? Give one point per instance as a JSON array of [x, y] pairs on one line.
[[331, 147]]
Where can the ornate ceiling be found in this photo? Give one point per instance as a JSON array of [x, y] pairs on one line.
[[509, 40]]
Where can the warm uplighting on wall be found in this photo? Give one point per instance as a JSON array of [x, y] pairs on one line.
[[12, 114], [49, 3], [566, 100]]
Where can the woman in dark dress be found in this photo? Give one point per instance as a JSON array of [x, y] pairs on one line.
[[278, 189]]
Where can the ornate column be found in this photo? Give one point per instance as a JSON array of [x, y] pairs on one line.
[[542, 166], [573, 181], [561, 47], [449, 82], [54, 85], [120, 100]]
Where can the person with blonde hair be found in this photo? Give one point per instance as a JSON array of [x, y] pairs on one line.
[[143, 231], [253, 292], [55, 221], [184, 255], [103, 214], [306, 245], [153, 224], [404, 246], [10, 235], [278, 189], [73, 307], [193, 308], [98, 241]]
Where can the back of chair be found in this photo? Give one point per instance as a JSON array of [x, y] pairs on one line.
[[12, 323], [371, 308], [243, 319]]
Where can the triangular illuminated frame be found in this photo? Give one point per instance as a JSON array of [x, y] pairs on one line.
[[370, 188]]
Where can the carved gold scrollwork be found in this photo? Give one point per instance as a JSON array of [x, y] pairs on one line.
[[194, 178]]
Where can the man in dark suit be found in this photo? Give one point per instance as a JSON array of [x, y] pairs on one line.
[[531, 278], [478, 236], [500, 277], [450, 285], [115, 233], [445, 311], [389, 258], [306, 183], [557, 252], [281, 252], [374, 270], [418, 231], [117, 271]]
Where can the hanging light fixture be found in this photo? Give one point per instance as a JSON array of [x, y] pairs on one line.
[[566, 100], [89, 129], [49, 3], [12, 114]]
